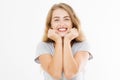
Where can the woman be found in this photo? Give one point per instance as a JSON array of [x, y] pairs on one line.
[[64, 51]]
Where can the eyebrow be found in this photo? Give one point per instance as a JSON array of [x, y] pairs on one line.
[[56, 17], [67, 17], [64, 17]]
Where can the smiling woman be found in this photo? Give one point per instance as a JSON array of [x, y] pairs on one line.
[[64, 50], [61, 22]]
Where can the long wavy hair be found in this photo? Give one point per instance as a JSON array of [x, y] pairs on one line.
[[74, 19]]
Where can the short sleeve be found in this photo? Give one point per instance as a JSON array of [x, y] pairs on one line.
[[83, 46], [42, 48]]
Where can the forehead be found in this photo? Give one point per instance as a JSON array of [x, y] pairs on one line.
[[59, 12]]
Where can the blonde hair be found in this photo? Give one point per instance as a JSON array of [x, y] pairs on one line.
[[74, 19]]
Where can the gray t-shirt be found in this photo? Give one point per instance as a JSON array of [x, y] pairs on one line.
[[48, 48]]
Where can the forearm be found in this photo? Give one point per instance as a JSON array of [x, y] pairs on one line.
[[70, 65], [55, 66]]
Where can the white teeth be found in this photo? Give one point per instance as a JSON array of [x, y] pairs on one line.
[[62, 29]]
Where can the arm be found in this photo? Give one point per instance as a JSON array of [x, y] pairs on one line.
[[55, 67], [70, 65], [73, 64], [53, 64]]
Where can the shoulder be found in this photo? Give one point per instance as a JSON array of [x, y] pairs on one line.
[[43, 43], [40, 44], [81, 44], [43, 48]]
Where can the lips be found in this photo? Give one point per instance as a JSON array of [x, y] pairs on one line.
[[62, 29]]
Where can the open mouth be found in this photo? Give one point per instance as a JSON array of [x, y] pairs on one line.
[[62, 29]]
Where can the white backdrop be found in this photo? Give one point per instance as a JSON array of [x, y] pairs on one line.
[[21, 28]]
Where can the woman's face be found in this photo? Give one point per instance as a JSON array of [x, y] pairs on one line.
[[61, 22]]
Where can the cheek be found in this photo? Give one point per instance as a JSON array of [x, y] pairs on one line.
[[69, 24], [53, 25]]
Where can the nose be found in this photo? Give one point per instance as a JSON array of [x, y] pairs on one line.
[[61, 23]]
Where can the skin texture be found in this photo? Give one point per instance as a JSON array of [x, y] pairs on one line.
[[63, 60]]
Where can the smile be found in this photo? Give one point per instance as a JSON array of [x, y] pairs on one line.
[[62, 29]]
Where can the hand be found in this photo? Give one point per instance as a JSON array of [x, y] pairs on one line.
[[52, 34], [72, 34]]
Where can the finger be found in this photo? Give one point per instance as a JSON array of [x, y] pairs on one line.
[[74, 29], [56, 31], [69, 30]]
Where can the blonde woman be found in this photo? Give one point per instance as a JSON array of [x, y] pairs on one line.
[[64, 51]]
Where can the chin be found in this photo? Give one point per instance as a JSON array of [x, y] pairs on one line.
[[62, 35]]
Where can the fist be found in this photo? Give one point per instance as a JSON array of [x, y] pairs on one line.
[[52, 34], [72, 34]]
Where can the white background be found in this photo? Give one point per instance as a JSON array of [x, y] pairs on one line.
[[21, 28]]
